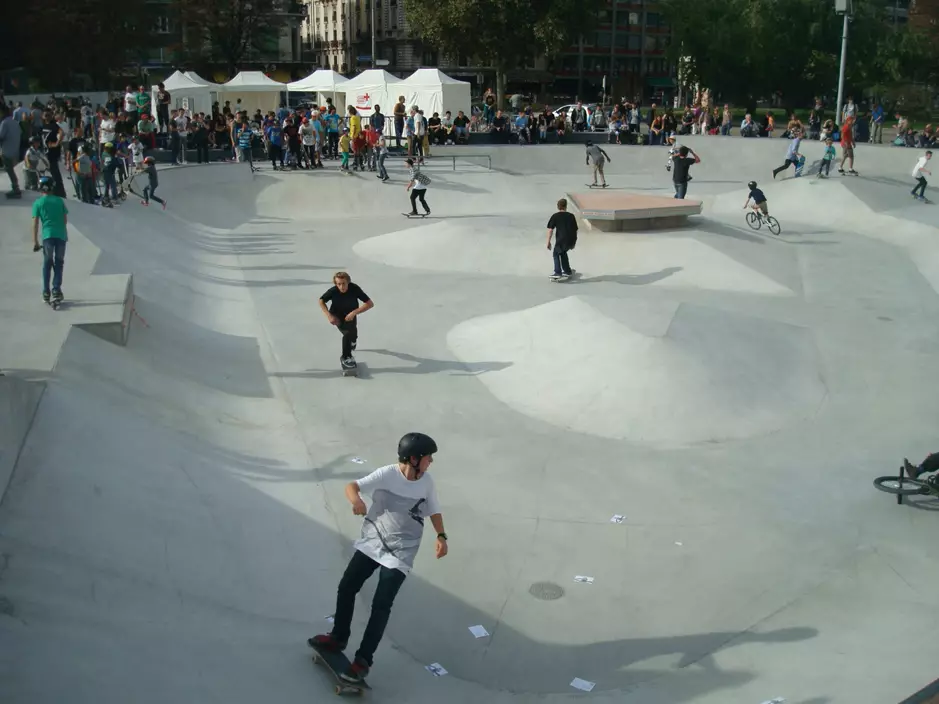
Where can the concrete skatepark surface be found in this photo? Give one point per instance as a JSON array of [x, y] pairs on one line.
[[175, 528]]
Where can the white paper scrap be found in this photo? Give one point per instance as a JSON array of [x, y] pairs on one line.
[[678, 544], [357, 460], [777, 700], [436, 669], [586, 686], [479, 631], [583, 579], [617, 518], [330, 619]]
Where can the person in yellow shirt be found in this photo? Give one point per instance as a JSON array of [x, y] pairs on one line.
[[345, 146], [355, 122]]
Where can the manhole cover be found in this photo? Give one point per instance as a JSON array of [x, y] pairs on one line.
[[546, 591]]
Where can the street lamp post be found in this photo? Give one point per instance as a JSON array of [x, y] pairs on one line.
[[373, 3], [842, 7]]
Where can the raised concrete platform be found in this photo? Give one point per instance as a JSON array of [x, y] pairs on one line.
[[612, 211], [103, 306]]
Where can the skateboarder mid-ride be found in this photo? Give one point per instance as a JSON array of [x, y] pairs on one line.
[[920, 172], [417, 184], [564, 225], [344, 308], [599, 157], [403, 495]]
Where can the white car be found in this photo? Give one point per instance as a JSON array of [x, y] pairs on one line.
[[565, 109]]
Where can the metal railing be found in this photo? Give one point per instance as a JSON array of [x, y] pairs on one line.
[[467, 156]]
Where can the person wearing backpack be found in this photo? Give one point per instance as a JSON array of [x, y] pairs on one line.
[[417, 185], [84, 173]]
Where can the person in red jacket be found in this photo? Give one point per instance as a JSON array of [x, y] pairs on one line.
[[847, 146]]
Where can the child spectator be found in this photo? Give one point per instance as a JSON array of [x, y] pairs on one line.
[[36, 164], [136, 151], [827, 158], [371, 147], [345, 144]]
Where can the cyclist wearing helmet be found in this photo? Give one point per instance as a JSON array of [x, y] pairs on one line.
[[759, 200], [51, 214], [403, 495], [598, 156]]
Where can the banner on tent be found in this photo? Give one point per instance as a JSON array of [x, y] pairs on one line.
[[363, 101]]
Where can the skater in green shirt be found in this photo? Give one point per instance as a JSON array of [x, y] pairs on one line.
[[51, 215]]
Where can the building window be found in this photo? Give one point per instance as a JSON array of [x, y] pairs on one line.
[[430, 57], [621, 40], [653, 19], [634, 19], [603, 17], [650, 42], [604, 40], [634, 42], [162, 25]]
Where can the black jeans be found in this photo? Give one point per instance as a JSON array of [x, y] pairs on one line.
[[148, 195], [562, 264], [920, 186], [399, 128], [789, 162], [276, 152], [360, 568], [332, 140], [350, 334], [202, 151], [415, 194]]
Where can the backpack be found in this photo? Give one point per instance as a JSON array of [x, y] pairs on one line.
[[422, 178]]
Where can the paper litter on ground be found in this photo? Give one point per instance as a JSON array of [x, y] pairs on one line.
[[330, 619], [357, 460], [617, 518], [583, 579], [436, 669], [586, 686], [777, 700], [479, 631], [678, 544]]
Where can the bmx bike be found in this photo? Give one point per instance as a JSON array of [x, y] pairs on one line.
[[755, 220], [901, 485]]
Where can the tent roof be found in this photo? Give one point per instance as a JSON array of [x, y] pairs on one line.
[[252, 82], [181, 82], [430, 77], [321, 79], [371, 77], [198, 79]]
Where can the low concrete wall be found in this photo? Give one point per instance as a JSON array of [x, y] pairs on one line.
[[19, 399]]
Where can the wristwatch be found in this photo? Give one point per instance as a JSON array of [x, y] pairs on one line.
[[442, 535]]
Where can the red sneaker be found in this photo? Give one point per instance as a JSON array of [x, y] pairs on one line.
[[326, 642], [356, 673]]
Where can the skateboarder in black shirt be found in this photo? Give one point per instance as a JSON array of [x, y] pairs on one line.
[[680, 167], [344, 307], [564, 225]]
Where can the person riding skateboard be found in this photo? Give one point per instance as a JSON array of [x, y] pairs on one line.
[[344, 297], [599, 157], [403, 495], [563, 225]]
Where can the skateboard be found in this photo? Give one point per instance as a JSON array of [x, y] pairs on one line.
[[336, 663], [563, 277], [54, 303], [413, 215], [349, 371], [596, 185], [800, 166]]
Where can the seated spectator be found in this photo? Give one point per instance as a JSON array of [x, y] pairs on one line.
[[146, 130], [687, 121], [435, 132], [598, 121], [460, 131], [446, 124], [617, 127], [748, 127], [656, 129], [500, 127]]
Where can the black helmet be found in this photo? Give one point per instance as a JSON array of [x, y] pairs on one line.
[[588, 143], [45, 184], [751, 185], [415, 445]]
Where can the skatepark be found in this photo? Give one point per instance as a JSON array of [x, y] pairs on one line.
[[173, 525]]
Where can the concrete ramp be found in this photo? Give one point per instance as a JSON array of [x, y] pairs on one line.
[[708, 376], [19, 399]]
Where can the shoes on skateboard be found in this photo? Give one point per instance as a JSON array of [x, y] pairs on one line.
[[356, 673], [326, 642]]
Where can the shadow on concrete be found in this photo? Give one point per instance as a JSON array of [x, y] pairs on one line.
[[718, 228], [422, 365], [627, 279], [440, 184]]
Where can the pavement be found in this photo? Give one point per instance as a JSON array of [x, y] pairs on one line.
[[174, 526]]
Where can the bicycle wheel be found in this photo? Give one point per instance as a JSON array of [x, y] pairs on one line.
[[753, 220], [902, 486], [773, 224]]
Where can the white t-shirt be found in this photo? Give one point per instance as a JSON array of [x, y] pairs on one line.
[[182, 125], [920, 165], [136, 151], [107, 130], [130, 102], [308, 135], [394, 524]]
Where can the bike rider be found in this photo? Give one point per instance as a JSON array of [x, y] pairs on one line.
[[403, 495], [758, 198], [930, 465]]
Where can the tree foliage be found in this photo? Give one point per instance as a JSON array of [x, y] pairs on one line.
[[227, 31], [66, 39], [749, 49], [505, 31]]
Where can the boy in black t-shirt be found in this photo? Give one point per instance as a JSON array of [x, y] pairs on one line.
[[344, 307], [564, 226], [681, 164]]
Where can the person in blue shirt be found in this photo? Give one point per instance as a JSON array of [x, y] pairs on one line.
[[792, 154], [877, 124], [759, 200], [275, 144], [332, 133], [244, 144], [521, 128]]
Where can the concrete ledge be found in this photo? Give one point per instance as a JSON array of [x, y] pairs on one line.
[[19, 399], [103, 306], [618, 212], [927, 695]]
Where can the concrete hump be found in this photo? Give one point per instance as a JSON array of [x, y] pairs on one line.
[[19, 399], [709, 376]]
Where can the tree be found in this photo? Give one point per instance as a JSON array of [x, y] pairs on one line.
[[84, 37], [228, 31], [506, 31]]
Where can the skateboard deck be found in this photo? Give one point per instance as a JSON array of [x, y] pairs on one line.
[[412, 215], [596, 185], [349, 371], [800, 166], [337, 663], [563, 277]]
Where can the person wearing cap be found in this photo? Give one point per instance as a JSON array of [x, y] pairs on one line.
[[345, 144], [147, 131], [308, 141], [50, 217], [36, 164], [149, 167]]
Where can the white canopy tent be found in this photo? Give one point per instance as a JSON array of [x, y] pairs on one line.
[[199, 79], [254, 90], [185, 92], [434, 91], [370, 88], [326, 84]]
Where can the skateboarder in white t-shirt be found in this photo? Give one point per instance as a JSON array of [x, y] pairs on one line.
[[403, 495]]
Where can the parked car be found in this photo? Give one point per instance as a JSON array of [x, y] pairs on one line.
[[565, 109]]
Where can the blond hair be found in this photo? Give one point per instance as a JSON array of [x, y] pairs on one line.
[[341, 275]]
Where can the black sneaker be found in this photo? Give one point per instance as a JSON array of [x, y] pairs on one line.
[[45, 297], [909, 470], [57, 295], [356, 673], [354, 345]]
